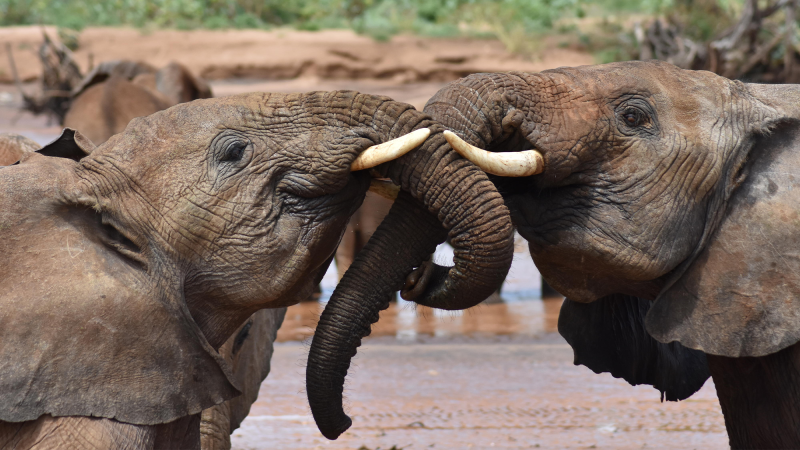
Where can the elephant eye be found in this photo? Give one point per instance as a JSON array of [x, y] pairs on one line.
[[633, 117], [234, 151]]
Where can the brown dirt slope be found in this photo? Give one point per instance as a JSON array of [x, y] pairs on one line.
[[286, 54]]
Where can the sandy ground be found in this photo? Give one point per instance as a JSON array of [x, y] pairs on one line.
[[285, 54], [495, 376]]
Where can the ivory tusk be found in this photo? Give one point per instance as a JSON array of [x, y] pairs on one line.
[[385, 189], [511, 164], [381, 153]]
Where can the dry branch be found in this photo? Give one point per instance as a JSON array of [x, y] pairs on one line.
[[758, 46], [60, 74]]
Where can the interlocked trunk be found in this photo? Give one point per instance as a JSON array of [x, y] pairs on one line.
[[442, 195]]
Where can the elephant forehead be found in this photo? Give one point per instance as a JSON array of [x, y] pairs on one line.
[[687, 91], [191, 125]]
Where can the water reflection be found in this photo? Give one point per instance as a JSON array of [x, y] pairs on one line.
[[521, 312], [407, 322]]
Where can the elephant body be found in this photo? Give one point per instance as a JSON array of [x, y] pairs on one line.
[[13, 146], [129, 270], [666, 212], [116, 92]]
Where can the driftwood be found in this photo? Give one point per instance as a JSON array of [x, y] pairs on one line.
[[60, 75], [758, 47]]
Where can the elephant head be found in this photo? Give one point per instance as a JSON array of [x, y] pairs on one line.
[[124, 267], [248, 351], [659, 184]]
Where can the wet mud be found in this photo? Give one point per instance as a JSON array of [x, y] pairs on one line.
[[495, 376], [408, 323]]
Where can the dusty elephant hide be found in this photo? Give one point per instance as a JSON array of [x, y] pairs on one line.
[[60, 377], [249, 351], [753, 306], [124, 271], [660, 183], [90, 433]]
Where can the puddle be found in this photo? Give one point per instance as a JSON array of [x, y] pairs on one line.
[[407, 323], [522, 312]]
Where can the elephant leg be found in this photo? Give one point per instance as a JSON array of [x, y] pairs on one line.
[[372, 212], [215, 432], [183, 434], [87, 433], [760, 398], [249, 351]]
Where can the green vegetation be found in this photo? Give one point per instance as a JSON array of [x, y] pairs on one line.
[[600, 26], [377, 17]]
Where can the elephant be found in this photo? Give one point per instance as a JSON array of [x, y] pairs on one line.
[[360, 229], [124, 268], [363, 225], [248, 351], [661, 202], [13, 146], [115, 92]]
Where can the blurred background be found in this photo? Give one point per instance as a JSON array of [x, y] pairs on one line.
[[497, 375]]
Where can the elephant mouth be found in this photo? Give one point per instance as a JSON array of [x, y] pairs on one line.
[[114, 237]]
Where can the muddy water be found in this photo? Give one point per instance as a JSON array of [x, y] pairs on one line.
[[495, 376], [408, 323]]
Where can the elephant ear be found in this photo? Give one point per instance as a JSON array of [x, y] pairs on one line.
[[71, 145], [741, 294], [84, 329], [608, 335]]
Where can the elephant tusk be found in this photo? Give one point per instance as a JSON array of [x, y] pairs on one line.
[[385, 189], [387, 151], [511, 164]]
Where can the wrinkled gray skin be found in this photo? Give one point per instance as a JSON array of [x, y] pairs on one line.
[[110, 96], [123, 272], [670, 198], [248, 350], [116, 92]]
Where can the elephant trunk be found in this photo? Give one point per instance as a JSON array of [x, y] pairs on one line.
[[440, 191], [466, 204], [357, 303]]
